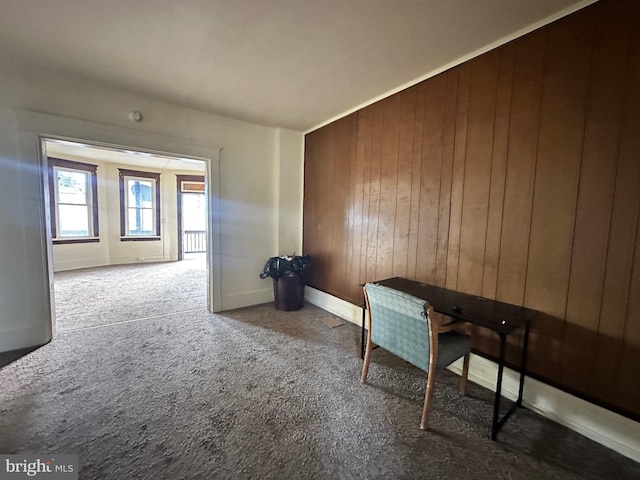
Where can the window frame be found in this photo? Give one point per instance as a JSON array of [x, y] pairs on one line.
[[123, 175], [94, 224]]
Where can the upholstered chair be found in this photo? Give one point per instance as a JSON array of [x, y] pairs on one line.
[[407, 327]]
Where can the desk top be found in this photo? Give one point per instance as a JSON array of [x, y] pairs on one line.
[[502, 318]]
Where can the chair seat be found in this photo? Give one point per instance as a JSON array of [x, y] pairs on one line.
[[452, 346]]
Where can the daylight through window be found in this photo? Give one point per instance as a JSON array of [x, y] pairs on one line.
[[139, 205], [74, 201]]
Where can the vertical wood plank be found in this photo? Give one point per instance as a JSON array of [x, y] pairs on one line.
[[498, 170], [446, 174], [377, 112], [357, 187], [388, 186], [340, 215], [408, 109], [457, 176], [325, 228], [365, 137], [477, 173], [430, 185], [416, 181], [327, 214], [350, 192]]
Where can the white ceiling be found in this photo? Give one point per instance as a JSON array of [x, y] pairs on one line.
[[289, 63], [74, 150]]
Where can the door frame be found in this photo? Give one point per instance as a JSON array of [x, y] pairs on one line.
[[179, 180], [34, 127]]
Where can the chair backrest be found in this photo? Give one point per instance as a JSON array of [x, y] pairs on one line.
[[399, 323]]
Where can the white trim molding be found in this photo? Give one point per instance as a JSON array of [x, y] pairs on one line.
[[614, 431]]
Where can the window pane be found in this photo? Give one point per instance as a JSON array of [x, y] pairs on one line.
[[194, 213], [147, 222], [140, 193], [73, 221], [140, 222], [72, 187]]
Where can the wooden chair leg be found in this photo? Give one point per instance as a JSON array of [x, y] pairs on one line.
[[433, 362], [431, 381], [465, 374], [367, 359]]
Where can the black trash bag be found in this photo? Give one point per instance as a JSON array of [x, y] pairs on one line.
[[286, 266]]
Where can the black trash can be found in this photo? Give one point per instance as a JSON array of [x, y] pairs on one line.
[[288, 291], [289, 274]]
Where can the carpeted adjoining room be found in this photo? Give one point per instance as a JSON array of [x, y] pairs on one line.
[[172, 391]]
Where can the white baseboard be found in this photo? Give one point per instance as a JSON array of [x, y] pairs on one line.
[[246, 299], [64, 266], [78, 264], [24, 337], [128, 260], [599, 424], [340, 308]]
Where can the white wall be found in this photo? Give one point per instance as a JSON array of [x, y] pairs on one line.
[[290, 181], [249, 197], [111, 250]]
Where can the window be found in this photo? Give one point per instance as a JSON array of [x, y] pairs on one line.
[[74, 201], [139, 205]]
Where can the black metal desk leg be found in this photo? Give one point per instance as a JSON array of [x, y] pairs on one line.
[[495, 426], [523, 365]]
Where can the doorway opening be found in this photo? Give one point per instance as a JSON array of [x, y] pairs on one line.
[[192, 216], [118, 234], [37, 127]]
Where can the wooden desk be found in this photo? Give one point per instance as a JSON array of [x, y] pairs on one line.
[[502, 318]]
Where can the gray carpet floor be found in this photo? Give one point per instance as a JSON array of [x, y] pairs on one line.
[[146, 384]]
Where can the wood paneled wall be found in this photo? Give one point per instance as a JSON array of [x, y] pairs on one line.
[[515, 176]]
